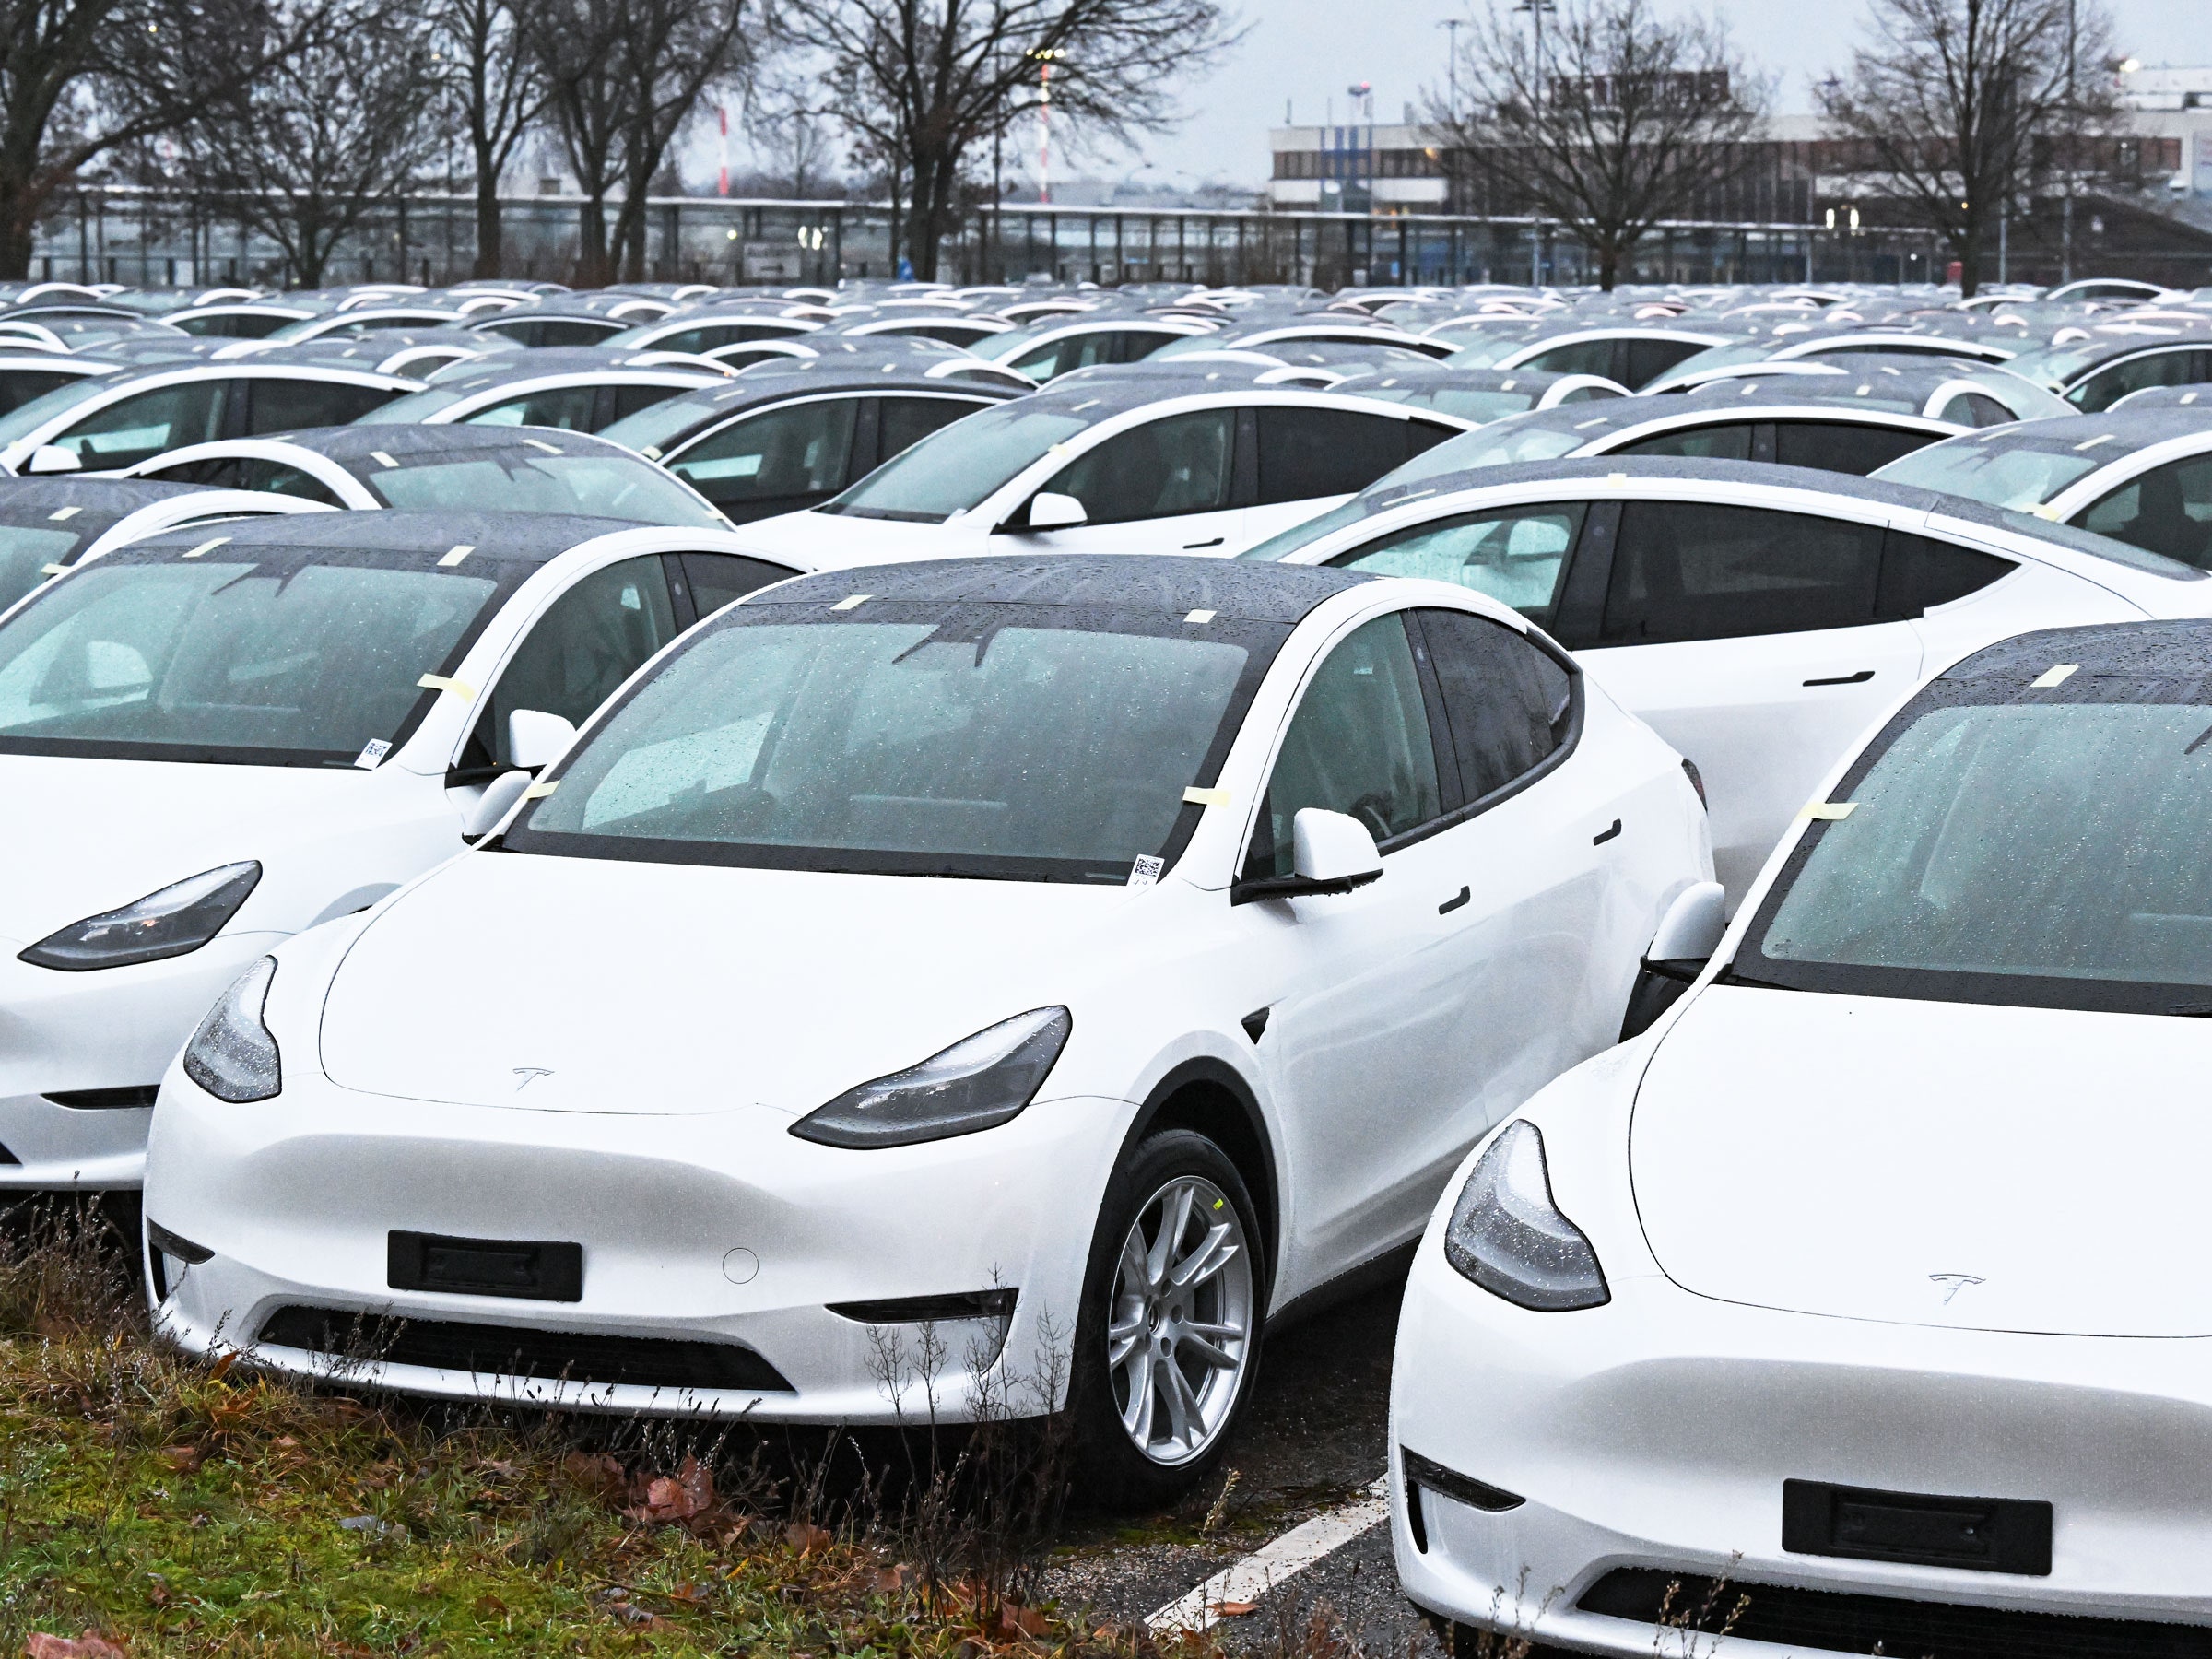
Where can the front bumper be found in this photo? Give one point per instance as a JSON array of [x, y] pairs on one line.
[[1656, 1433], [94, 1033], [720, 1229]]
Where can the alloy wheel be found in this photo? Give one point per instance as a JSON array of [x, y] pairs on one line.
[[1179, 1338]]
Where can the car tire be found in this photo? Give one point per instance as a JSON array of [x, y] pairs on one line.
[[1168, 1339]]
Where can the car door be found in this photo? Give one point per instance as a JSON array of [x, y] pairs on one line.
[[1749, 639], [782, 459], [1311, 458], [592, 637], [1165, 486], [147, 424], [2165, 509]]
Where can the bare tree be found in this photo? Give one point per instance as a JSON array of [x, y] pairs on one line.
[[623, 76], [502, 90], [82, 79], [1608, 122], [1947, 99], [311, 147], [919, 84], [788, 136]]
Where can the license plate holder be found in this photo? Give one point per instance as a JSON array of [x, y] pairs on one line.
[[1978, 1534], [531, 1269]]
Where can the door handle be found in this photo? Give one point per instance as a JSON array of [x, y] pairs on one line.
[[1860, 678], [1603, 836], [1453, 903], [1189, 547]]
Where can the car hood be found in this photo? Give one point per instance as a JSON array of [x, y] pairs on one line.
[[83, 836], [1931, 1163], [829, 541], [601, 985]]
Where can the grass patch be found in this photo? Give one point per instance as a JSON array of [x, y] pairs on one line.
[[171, 1507]]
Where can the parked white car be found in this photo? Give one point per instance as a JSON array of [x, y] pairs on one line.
[[1759, 617], [1082, 958], [212, 740], [49, 524], [1859, 1306], [1141, 465]]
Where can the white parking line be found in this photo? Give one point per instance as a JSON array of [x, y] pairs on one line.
[[1268, 1566]]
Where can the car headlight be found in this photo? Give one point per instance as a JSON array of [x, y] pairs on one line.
[[232, 1057], [980, 1081], [1508, 1236], [176, 919]]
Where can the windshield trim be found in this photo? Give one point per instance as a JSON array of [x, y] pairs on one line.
[[1944, 985], [507, 575], [1260, 642]]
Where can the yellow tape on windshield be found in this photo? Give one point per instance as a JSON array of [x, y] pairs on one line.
[[437, 682], [1206, 798], [1832, 811]]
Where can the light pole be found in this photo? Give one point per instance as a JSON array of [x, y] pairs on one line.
[[1450, 26], [1535, 10], [1046, 56], [2066, 236]]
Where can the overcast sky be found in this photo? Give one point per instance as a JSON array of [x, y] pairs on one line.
[[1308, 51]]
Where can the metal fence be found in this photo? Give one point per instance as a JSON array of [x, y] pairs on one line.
[[147, 238]]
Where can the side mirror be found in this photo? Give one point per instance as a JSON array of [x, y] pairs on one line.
[[1330, 853], [1688, 935], [536, 738], [500, 795], [53, 458], [1050, 511]]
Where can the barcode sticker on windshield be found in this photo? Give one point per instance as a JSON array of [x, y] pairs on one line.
[[372, 754], [1146, 871]]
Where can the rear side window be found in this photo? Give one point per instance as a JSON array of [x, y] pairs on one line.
[[1646, 360], [1163, 469], [1507, 701], [1516, 556], [716, 579], [568, 408], [572, 331], [1976, 409], [1359, 744], [1844, 446], [2101, 390], [1686, 570], [250, 472], [2167, 510], [288, 406], [1583, 357], [628, 400], [1310, 453], [1731, 441], [1919, 573], [18, 386], [139, 427], [795, 453], [908, 420]]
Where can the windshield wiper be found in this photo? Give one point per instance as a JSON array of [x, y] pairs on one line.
[[1729, 976], [2191, 1010]]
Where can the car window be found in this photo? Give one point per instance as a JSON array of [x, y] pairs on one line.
[[286, 406], [628, 400], [1920, 573], [248, 471], [1359, 744], [1163, 468], [1688, 570], [18, 386], [717, 579], [1976, 409], [139, 428], [1515, 555], [571, 331], [2167, 510], [788, 453], [1648, 360], [1310, 453], [1728, 442], [1581, 357], [2101, 390], [25, 552], [905, 421], [592, 639], [567, 407], [1843, 446], [1507, 701]]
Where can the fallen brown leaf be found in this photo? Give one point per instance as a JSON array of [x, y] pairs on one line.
[[1236, 1610], [891, 1580], [601, 1474], [90, 1645], [489, 1606], [183, 1459], [806, 1538], [1019, 1620]]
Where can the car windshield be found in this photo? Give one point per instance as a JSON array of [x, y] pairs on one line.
[[418, 405], [1017, 742], [1469, 403], [2000, 474], [2046, 851], [1286, 542], [2055, 365], [284, 657], [520, 481], [656, 426], [1495, 447], [19, 423], [961, 465], [25, 552]]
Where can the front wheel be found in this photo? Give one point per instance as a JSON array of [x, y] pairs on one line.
[[1169, 1336]]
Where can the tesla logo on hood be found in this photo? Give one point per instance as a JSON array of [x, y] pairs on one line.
[[531, 1074], [1953, 1283]]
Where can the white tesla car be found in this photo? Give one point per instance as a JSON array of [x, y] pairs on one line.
[[1083, 957], [1759, 617], [214, 738], [1866, 1285], [1133, 464]]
